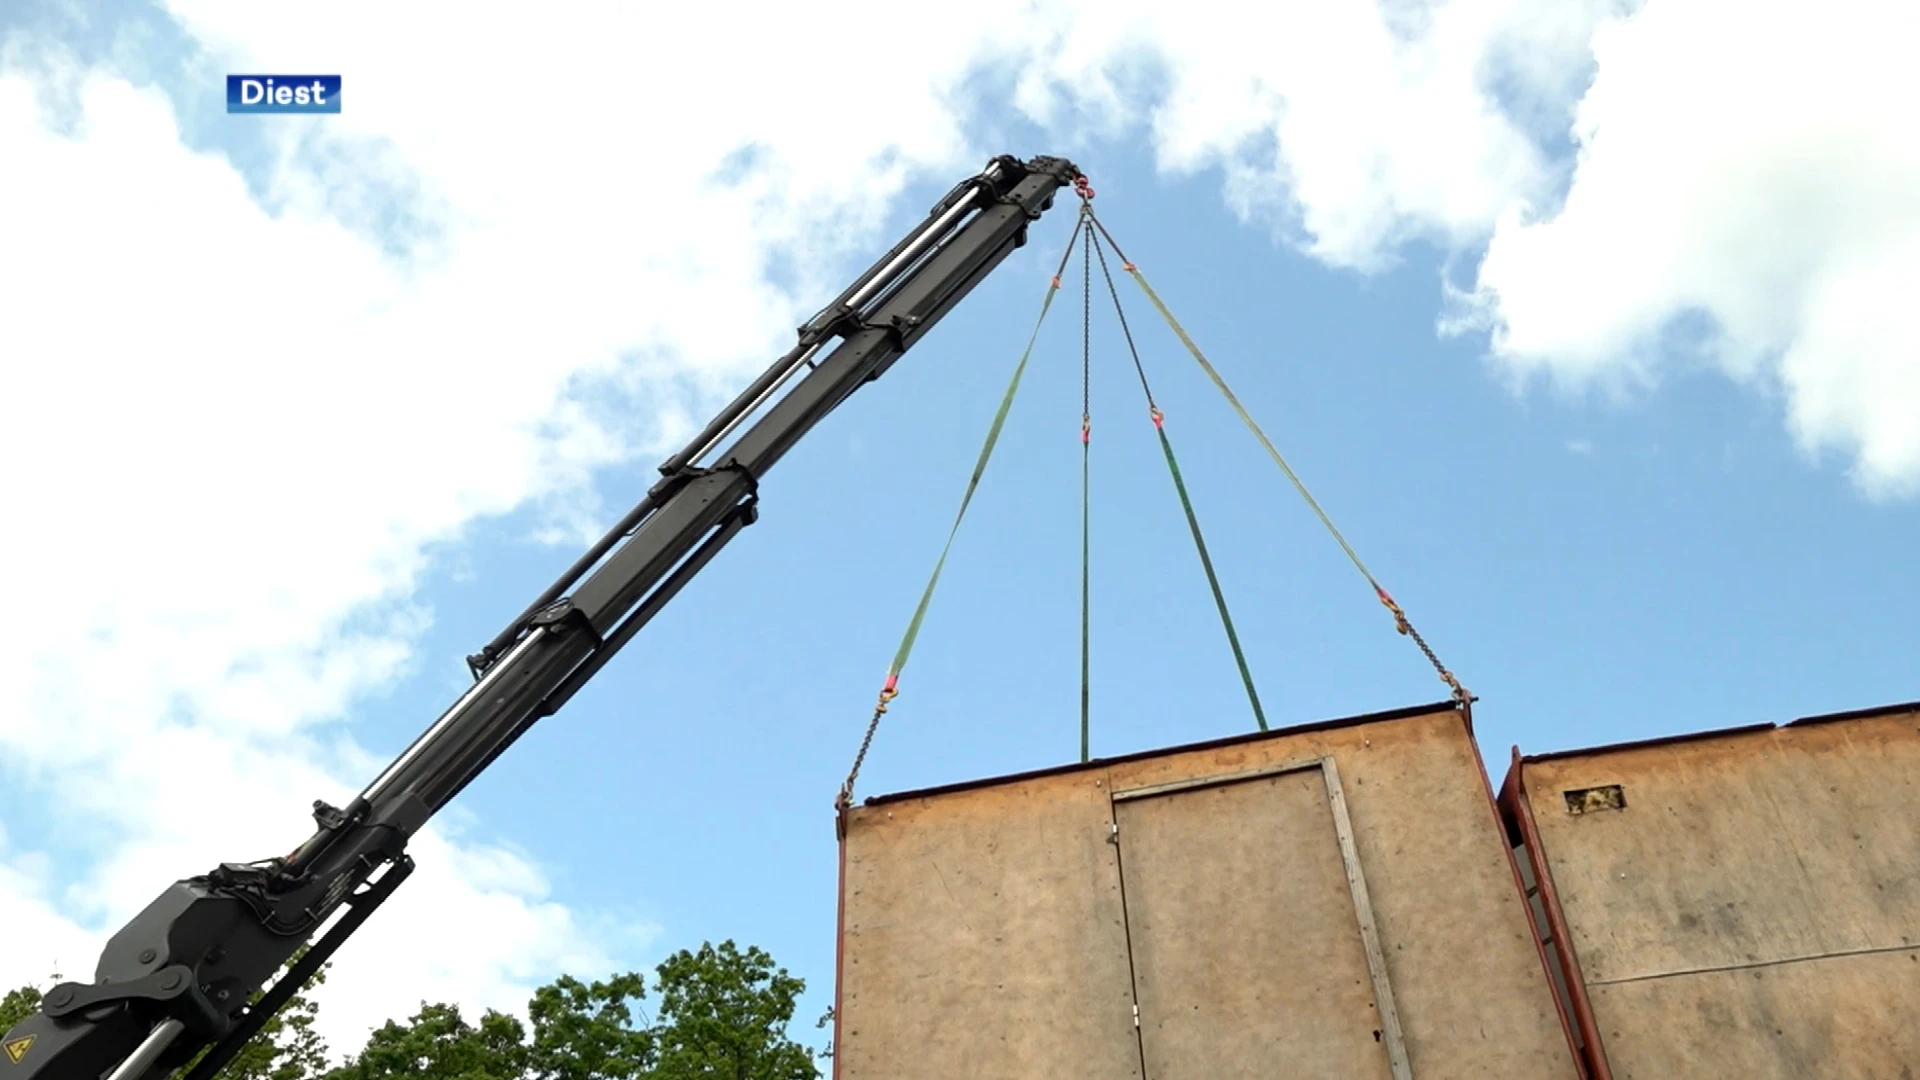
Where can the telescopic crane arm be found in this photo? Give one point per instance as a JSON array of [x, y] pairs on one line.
[[177, 979]]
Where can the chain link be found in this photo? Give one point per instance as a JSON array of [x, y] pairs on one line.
[[845, 798], [1405, 626]]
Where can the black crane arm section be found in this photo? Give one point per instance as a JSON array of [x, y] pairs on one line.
[[177, 979]]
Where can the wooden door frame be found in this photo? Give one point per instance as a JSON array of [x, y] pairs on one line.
[[1356, 880]]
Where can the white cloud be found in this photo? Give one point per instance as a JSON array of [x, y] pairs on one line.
[[1352, 126], [198, 427], [1749, 174], [252, 409], [251, 417], [237, 478], [1746, 182], [31, 915]]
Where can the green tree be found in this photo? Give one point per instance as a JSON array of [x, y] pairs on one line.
[[723, 1016], [17, 1006], [724, 1013], [437, 1043], [586, 1032]]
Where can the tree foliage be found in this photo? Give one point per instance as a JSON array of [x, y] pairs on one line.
[[721, 1014], [17, 1006], [724, 1013], [437, 1042], [288, 1046]]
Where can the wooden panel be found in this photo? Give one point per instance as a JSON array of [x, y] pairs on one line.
[[1035, 983], [1754, 848], [1473, 998], [1247, 956], [983, 937], [1844, 1018]]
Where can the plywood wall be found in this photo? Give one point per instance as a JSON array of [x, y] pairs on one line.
[[1328, 902], [1745, 905]]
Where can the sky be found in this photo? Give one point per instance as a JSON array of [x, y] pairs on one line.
[[1583, 320]]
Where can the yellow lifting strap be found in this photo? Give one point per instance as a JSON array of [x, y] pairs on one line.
[[891, 688]]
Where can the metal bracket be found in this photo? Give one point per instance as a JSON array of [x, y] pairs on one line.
[[836, 320], [671, 481], [553, 614], [328, 816], [670, 484], [360, 905], [167, 984]]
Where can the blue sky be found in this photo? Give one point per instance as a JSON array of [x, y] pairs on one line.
[[1594, 571], [1658, 489]]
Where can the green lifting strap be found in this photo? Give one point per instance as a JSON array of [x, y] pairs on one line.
[[1213, 579], [1401, 622], [891, 689], [1180, 487]]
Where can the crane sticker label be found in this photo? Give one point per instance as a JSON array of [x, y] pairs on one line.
[[18, 1048]]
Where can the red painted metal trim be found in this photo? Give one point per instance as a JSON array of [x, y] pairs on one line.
[[1526, 909], [1515, 795], [840, 943]]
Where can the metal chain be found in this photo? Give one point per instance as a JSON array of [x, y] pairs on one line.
[[1405, 626], [845, 798]]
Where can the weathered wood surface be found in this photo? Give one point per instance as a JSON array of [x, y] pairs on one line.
[[983, 938], [984, 934], [1246, 950], [1842, 1018], [1472, 994], [1754, 907]]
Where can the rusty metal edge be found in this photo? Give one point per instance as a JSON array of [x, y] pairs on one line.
[[840, 945], [1643, 744], [1407, 713], [1856, 714], [1526, 911], [1514, 796], [1726, 732]]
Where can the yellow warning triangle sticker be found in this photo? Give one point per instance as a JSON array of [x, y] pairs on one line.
[[18, 1048]]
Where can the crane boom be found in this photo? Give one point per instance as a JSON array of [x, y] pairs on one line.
[[182, 976]]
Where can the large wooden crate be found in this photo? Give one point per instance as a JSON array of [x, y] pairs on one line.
[[1739, 903], [1330, 901]]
